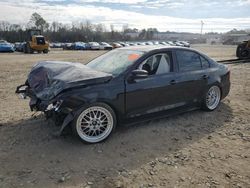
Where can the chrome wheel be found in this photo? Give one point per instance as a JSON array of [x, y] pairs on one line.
[[94, 124], [213, 97]]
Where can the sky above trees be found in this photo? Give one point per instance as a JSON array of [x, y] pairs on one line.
[[166, 15]]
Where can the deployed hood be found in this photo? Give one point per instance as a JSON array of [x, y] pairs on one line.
[[49, 78]]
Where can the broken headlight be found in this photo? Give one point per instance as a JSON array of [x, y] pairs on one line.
[[54, 106]]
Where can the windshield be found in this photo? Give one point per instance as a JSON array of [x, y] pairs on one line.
[[116, 61]]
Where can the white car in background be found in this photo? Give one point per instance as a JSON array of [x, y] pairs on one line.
[[94, 46], [105, 46]]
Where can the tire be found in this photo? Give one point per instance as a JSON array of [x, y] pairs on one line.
[[94, 123], [29, 50], [242, 51], [25, 49], [238, 51], [244, 54], [45, 51], [212, 98]]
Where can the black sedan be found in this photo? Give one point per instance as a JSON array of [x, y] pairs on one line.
[[123, 85]]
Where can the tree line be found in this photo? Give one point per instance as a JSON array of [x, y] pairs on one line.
[[77, 31]]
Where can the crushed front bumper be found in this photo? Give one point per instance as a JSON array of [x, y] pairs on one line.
[[62, 116]]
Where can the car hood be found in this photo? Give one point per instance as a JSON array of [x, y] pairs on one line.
[[49, 78]]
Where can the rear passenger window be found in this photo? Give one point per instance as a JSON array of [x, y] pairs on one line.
[[188, 61], [204, 62]]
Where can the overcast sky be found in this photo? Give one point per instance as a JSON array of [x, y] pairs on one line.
[[171, 15]]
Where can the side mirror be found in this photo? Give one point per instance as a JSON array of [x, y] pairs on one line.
[[139, 74]]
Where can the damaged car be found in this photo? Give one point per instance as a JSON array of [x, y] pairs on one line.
[[124, 85]]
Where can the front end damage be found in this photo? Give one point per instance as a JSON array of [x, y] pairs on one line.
[[53, 88]]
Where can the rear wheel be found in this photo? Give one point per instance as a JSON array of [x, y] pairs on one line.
[[45, 51], [212, 98], [95, 123]]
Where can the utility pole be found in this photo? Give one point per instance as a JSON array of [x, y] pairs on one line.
[[202, 23]]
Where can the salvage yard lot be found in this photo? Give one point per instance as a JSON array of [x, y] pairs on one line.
[[195, 149]]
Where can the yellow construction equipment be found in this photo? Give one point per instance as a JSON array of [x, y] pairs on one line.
[[35, 42]]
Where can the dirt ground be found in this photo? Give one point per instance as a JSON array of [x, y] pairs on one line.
[[194, 149]]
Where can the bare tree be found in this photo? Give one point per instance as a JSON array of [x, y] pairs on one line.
[[4, 26], [37, 21]]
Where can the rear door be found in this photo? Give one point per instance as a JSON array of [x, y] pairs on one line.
[[192, 76]]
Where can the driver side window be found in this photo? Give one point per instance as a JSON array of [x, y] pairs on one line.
[[157, 64]]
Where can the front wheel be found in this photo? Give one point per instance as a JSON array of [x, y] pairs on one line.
[[94, 123], [212, 98]]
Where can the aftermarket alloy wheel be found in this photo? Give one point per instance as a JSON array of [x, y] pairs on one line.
[[95, 123], [212, 98]]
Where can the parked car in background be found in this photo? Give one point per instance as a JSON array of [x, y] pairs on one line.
[[94, 46], [163, 43], [6, 46], [149, 43], [67, 46], [19, 46], [16, 44], [170, 43], [105, 46], [132, 44], [87, 46], [185, 44], [178, 43], [79, 46], [123, 85], [141, 43], [116, 45], [55, 45], [123, 44], [155, 42]]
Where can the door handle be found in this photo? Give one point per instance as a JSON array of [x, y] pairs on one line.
[[172, 82], [205, 77]]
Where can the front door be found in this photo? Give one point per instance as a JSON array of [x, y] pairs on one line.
[[154, 93]]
